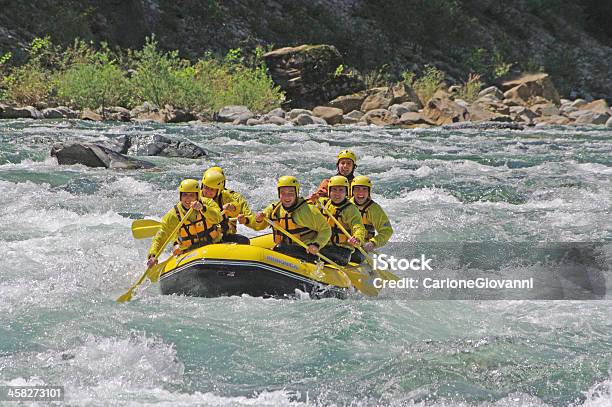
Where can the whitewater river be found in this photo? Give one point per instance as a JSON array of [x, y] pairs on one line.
[[67, 253]]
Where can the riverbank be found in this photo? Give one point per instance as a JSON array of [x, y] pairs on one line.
[[487, 110], [302, 85]]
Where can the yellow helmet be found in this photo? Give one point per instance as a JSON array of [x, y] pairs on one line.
[[361, 181], [189, 185], [215, 168], [289, 181], [347, 154], [213, 179], [338, 181]]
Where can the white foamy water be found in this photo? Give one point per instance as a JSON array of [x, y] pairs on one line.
[[68, 253]]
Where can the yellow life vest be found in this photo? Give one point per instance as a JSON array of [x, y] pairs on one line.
[[338, 237], [369, 227], [284, 218], [228, 227], [194, 234]]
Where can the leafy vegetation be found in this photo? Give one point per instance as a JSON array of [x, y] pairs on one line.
[[470, 89], [82, 76], [427, 84]]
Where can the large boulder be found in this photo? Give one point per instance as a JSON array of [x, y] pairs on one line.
[[597, 106], [331, 115], [59, 112], [531, 85], [380, 117], [88, 114], [255, 122], [578, 103], [413, 119], [545, 109], [229, 114], [118, 114], [491, 92], [307, 74], [304, 120], [294, 113], [403, 93], [94, 155], [478, 113], [149, 112], [158, 145], [592, 118], [378, 98], [271, 119], [348, 103], [399, 110], [521, 114], [278, 112], [176, 115], [27, 112], [352, 117], [445, 111]]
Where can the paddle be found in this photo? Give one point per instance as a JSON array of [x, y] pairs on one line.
[[387, 275], [145, 228], [355, 278], [154, 271]]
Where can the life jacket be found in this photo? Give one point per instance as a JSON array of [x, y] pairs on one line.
[[284, 218], [338, 237], [369, 227], [227, 227], [194, 234]]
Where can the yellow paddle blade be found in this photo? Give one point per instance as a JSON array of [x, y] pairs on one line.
[[387, 275], [360, 281], [384, 274], [157, 269], [144, 228], [128, 295]]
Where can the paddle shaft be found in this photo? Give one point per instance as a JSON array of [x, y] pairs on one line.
[[174, 232], [342, 228], [145, 228], [299, 242], [385, 274], [128, 295]]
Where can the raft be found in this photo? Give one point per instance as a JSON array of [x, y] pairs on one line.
[[231, 269]]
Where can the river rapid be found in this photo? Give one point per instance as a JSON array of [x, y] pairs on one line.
[[68, 253]]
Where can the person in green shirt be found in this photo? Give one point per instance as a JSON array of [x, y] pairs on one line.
[[200, 229], [296, 216], [375, 220], [346, 213]]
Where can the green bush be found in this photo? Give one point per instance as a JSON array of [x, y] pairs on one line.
[[156, 79], [426, 85], [28, 85], [500, 67], [408, 78], [253, 88], [4, 59], [85, 77], [207, 85], [470, 89], [32, 83], [91, 85]]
